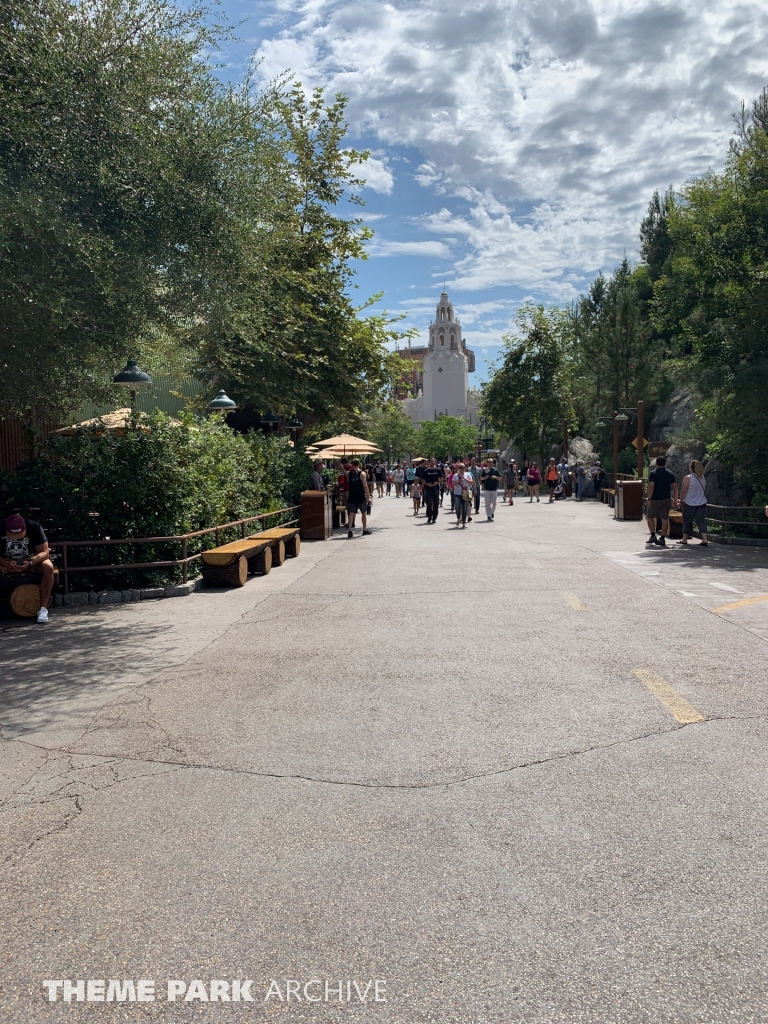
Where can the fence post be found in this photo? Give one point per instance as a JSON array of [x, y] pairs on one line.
[[184, 556], [242, 529], [66, 571]]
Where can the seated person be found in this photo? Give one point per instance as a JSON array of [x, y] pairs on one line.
[[24, 549]]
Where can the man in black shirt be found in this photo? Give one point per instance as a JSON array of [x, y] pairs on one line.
[[490, 477], [24, 549], [662, 496], [359, 495], [430, 480]]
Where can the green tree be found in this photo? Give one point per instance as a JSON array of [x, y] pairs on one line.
[[446, 436], [527, 396], [713, 297], [392, 431]]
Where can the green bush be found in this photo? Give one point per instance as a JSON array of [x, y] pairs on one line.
[[155, 480]]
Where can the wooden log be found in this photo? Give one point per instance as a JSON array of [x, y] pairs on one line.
[[25, 600], [233, 575], [293, 547], [262, 562], [278, 553]]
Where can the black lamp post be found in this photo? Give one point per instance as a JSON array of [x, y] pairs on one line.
[[132, 377], [271, 419]]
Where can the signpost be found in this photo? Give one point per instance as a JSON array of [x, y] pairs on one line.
[[657, 448]]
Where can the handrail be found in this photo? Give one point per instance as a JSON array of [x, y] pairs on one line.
[[181, 538]]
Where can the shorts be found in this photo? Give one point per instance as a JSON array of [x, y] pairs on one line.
[[552, 483], [362, 507], [659, 509]]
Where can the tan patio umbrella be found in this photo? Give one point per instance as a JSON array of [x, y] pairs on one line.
[[110, 422], [348, 444]]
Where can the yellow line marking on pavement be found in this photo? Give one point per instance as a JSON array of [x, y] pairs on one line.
[[739, 604], [575, 603], [678, 706]]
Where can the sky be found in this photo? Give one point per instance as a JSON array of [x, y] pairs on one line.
[[514, 145]]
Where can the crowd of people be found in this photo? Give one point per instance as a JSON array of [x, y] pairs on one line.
[[427, 482], [466, 483]]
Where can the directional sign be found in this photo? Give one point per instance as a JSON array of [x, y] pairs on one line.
[[645, 442], [657, 448]]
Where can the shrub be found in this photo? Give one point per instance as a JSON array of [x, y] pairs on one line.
[[157, 479]]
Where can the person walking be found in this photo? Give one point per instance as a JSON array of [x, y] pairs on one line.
[[524, 476], [398, 476], [693, 495], [463, 485], [597, 474], [489, 479], [662, 496], [533, 480], [359, 496], [379, 476], [551, 478], [510, 482], [416, 496], [474, 469], [410, 476], [389, 478], [431, 483]]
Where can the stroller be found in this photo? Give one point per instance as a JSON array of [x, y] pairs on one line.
[[559, 491]]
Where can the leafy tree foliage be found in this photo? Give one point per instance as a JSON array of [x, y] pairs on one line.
[[713, 296], [392, 431], [528, 396], [445, 437], [145, 208]]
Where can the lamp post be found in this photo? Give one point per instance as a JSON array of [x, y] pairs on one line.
[[565, 440], [132, 377], [270, 418], [222, 403]]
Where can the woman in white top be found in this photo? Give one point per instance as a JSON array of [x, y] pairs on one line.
[[398, 476], [463, 484], [693, 495]]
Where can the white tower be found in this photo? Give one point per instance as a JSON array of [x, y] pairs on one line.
[[446, 365]]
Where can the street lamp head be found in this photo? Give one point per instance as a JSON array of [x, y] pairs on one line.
[[600, 424], [221, 401], [621, 417], [269, 417], [294, 423], [132, 377]]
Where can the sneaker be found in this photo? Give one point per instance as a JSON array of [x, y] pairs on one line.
[[538, 499], [366, 533], [651, 539], [661, 542], [349, 534], [42, 615]]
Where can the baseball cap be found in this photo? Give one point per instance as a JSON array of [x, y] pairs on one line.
[[15, 524]]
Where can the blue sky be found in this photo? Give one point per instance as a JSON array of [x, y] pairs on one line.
[[515, 145]]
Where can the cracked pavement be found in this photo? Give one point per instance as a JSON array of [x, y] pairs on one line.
[[423, 756]]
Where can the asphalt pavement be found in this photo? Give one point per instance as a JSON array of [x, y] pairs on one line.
[[512, 773]]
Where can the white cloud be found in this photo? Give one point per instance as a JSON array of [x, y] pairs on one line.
[[553, 121], [382, 247], [376, 174]]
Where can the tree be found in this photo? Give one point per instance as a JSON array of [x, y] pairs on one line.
[[713, 297], [111, 133], [446, 436], [528, 397], [393, 432]]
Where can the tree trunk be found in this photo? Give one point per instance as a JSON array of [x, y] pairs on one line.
[[293, 546], [232, 575], [262, 562]]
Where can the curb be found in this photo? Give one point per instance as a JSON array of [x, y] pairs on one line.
[[82, 598], [745, 542]]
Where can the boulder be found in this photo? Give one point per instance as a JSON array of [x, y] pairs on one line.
[[679, 458], [674, 417], [722, 489], [580, 450]]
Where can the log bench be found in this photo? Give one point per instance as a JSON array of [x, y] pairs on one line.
[[675, 525], [229, 564], [608, 496], [22, 590]]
